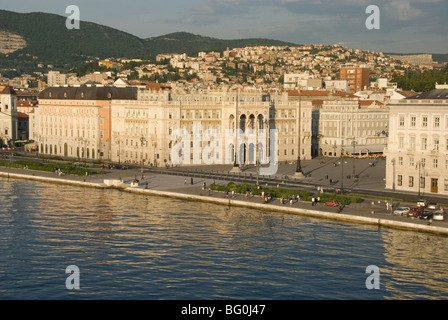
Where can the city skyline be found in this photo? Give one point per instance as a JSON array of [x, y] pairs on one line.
[[406, 26]]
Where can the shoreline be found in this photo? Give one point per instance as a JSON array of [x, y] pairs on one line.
[[341, 217]]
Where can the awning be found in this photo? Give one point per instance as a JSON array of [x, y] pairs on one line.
[[365, 149]]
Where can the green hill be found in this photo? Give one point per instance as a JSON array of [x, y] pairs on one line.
[[50, 42], [186, 42]]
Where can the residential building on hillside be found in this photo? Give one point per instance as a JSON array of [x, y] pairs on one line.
[[357, 76]]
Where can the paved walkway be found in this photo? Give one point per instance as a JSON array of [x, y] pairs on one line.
[[181, 184]]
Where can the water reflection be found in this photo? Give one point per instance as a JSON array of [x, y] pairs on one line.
[[140, 247], [415, 265]]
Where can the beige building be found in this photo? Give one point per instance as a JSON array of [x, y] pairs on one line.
[[417, 150], [349, 126], [76, 121], [143, 128], [131, 125]]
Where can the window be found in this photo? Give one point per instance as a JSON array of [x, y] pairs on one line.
[[424, 143], [436, 144], [446, 184], [413, 120], [422, 182], [400, 161], [401, 121], [401, 142], [436, 122], [425, 122], [412, 143], [399, 180], [411, 181], [435, 163], [411, 162]]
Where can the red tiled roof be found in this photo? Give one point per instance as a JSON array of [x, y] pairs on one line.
[[369, 102], [22, 116]]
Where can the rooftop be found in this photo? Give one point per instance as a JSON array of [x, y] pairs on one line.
[[433, 94]]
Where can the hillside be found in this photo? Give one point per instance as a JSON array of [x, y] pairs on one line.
[[42, 38], [187, 42]]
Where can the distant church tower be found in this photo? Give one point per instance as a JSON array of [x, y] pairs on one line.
[[8, 115]]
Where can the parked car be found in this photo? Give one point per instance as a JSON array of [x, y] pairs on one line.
[[426, 214], [402, 211], [432, 206], [415, 211], [421, 203], [332, 203], [439, 215]]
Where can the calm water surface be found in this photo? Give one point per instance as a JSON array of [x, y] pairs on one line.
[[131, 246]]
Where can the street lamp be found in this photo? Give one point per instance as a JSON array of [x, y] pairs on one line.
[[236, 167], [420, 165], [143, 140], [393, 174], [354, 171], [299, 173]]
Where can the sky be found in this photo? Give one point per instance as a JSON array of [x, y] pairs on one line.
[[405, 26]]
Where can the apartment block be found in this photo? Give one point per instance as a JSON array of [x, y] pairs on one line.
[[357, 77]]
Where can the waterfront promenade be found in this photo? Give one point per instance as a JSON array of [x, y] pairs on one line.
[[176, 183]]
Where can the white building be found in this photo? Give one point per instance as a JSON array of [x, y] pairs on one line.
[[349, 126], [8, 115], [338, 85], [417, 150]]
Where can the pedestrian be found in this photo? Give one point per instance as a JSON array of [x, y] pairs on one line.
[[318, 199], [192, 180], [312, 201], [185, 181]]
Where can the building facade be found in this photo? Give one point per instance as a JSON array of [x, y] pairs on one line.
[[417, 150], [143, 129], [76, 121], [8, 115], [349, 126], [357, 77]]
